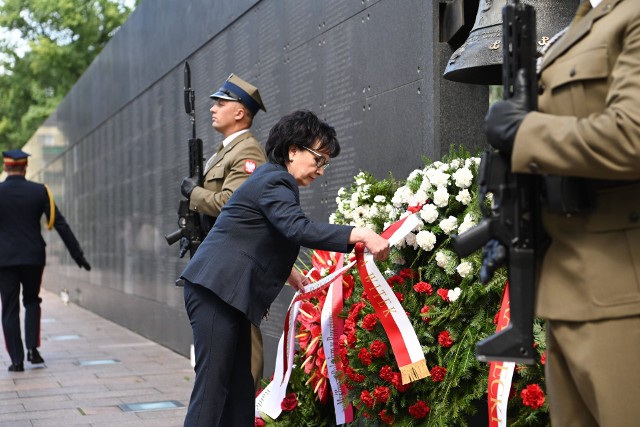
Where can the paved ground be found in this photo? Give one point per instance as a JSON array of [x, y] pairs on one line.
[[81, 386]]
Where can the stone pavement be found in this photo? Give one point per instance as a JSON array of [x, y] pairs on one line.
[[93, 367]]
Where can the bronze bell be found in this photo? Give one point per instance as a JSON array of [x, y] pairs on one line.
[[479, 59]]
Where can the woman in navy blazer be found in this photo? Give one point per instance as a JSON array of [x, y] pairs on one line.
[[247, 257]]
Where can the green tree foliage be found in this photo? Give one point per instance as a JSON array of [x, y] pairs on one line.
[[62, 38]]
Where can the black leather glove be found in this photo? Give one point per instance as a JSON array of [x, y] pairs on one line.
[[188, 184], [82, 262], [504, 117]]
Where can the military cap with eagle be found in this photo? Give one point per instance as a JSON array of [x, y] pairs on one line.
[[236, 89]]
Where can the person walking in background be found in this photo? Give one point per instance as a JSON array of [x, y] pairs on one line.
[[245, 260], [22, 255], [235, 105], [585, 142]]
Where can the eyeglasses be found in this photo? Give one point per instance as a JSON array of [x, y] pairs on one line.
[[321, 161]]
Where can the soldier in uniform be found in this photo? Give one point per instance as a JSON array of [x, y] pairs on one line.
[[585, 142], [234, 107], [22, 255]]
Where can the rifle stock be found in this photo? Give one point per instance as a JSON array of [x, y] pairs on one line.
[[511, 230]]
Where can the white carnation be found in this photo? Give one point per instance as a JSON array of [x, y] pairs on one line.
[[342, 191], [471, 162], [454, 294], [442, 259], [396, 258], [426, 240], [455, 164], [414, 174], [419, 198], [401, 196], [379, 199], [464, 197], [464, 268], [466, 224], [463, 178], [410, 239], [449, 224], [438, 178], [429, 213], [425, 185], [441, 197]]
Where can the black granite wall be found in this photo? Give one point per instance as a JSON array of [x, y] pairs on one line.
[[371, 68]]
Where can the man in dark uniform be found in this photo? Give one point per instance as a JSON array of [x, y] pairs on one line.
[[234, 106], [22, 255]]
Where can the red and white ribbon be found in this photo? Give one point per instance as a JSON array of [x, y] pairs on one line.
[[270, 399], [332, 326], [500, 373]]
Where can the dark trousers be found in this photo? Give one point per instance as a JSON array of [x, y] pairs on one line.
[[30, 276], [223, 393]]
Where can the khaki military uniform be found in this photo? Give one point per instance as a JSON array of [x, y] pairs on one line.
[[588, 126]]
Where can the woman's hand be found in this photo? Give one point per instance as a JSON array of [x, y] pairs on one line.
[[296, 280], [377, 246]]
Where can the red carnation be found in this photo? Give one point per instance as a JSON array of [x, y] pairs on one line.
[[259, 422], [397, 383], [356, 308], [290, 402], [395, 280], [408, 273], [365, 356], [369, 322], [419, 410], [423, 287], [366, 398], [425, 310], [378, 349], [349, 325], [438, 373], [381, 394], [444, 294], [386, 373], [352, 339], [444, 339], [386, 418], [532, 396]]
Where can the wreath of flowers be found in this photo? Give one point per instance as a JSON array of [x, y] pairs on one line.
[[449, 309]]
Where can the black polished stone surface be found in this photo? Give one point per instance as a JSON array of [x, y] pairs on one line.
[[115, 151]]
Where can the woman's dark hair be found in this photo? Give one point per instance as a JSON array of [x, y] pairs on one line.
[[301, 128]]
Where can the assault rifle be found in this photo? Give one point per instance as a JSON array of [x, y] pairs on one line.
[[190, 232], [510, 230]]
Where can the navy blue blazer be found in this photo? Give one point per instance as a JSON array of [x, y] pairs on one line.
[[248, 255], [22, 204]]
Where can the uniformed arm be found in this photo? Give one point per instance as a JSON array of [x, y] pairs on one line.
[[604, 145], [211, 202], [280, 204], [69, 239]]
